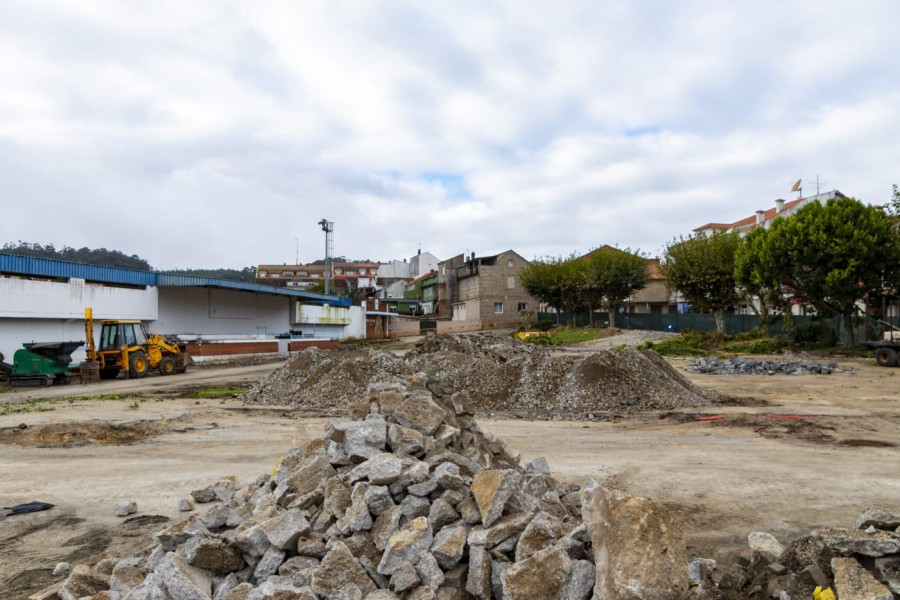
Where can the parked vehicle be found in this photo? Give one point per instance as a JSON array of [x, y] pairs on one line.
[[126, 346], [40, 364]]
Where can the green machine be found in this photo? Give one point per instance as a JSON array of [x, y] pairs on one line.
[[40, 364]]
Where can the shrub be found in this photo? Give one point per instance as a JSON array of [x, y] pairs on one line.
[[814, 333]]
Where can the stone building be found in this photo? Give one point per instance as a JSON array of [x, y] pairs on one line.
[[485, 290]]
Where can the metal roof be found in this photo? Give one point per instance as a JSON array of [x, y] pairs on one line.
[[177, 280], [45, 267]]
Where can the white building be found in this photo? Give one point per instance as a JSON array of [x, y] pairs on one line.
[[44, 300]]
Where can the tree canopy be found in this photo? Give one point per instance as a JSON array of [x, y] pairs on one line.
[[614, 275], [702, 270], [828, 256], [557, 281], [755, 276], [99, 256]]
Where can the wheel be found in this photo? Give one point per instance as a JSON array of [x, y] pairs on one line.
[[167, 366], [886, 357], [109, 373], [138, 365]]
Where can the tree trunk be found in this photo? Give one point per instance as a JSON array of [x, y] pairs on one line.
[[612, 316], [849, 342], [557, 316], [591, 316], [720, 321]]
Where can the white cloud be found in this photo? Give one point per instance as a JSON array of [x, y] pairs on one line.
[[232, 128]]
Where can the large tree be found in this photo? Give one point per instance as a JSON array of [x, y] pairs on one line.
[[702, 269], [614, 275], [559, 282], [755, 276], [831, 255]]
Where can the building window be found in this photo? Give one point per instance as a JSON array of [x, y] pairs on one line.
[[301, 273], [523, 306], [262, 273], [338, 271], [509, 263], [287, 274], [511, 282], [362, 271], [373, 271], [498, 308]]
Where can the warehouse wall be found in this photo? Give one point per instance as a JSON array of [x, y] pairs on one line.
[[218, 313], [34, 310]]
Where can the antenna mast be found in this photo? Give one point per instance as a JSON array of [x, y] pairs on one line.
[[328, 228]]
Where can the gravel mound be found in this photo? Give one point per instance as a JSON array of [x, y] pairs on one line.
[[496, 373]]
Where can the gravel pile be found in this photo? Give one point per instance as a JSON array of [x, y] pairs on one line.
[[496, 373], [409, 501], [749, 366]]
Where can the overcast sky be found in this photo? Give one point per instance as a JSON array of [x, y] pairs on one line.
[[213, 134]]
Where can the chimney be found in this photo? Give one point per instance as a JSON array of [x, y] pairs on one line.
[[473, 256], [779, 206], [420, 252], [760, 215]]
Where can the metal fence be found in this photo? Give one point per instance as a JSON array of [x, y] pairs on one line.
[[734, 324]]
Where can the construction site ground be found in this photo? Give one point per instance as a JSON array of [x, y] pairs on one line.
[[153, 440]]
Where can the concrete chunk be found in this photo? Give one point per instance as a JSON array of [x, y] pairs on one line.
[[491, 490], [853, 582]]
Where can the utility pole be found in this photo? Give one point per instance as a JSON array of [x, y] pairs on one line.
[[328, 227], [297, 255]]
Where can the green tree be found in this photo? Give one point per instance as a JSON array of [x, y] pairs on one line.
[[832, 255], [556, 281], [755, 276], [702, 269], [893, 206], [614, 275]]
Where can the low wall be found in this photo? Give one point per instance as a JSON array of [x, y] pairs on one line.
[[458, 326], [256, 347], [402, 327]]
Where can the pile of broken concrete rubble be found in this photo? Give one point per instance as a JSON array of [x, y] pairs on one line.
[[859, 563], [411, 500], [750, 366], [497, 372]]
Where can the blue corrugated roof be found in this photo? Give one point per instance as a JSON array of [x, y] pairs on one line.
[[177, 280], [45, 267]]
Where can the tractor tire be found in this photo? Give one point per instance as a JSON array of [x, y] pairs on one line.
[[167, 366], [109, 373], [138, 365], [886, 357]]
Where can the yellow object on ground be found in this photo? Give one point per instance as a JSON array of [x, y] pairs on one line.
[[278, 464], [527, 334], [820, 594]]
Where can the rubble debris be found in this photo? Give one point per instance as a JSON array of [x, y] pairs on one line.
[[853, 582], [126, 507], [879, 517], [752, 366], [456, 516], [484, 372]]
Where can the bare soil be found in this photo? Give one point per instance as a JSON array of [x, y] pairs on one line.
[[751, 470]]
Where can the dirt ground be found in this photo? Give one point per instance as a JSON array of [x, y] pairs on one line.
[[751, 470]]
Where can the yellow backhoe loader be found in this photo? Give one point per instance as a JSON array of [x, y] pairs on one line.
[[126, 346]]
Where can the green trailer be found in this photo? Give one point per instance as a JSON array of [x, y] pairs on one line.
[[40, 364]]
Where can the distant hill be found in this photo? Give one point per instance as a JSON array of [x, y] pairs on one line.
[[99, 256], [114, 258]]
